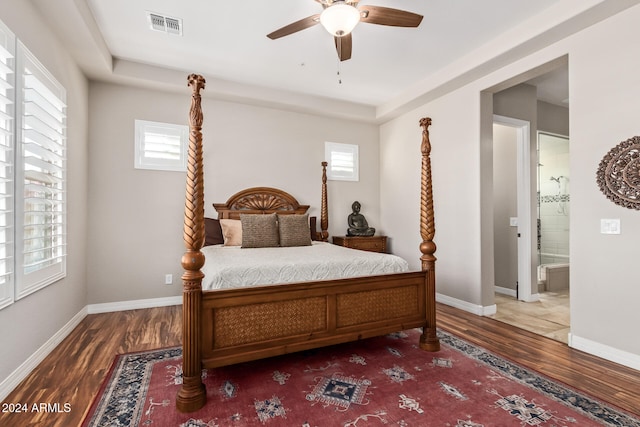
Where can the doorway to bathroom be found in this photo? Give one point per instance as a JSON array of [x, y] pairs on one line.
[[546, 310]]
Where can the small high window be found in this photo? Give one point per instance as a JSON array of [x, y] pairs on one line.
[[161, 146], [342, 161]]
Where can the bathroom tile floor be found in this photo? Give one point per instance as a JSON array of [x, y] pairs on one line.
[[549, 316]]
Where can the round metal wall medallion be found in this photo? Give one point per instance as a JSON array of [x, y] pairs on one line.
[[619, 174]]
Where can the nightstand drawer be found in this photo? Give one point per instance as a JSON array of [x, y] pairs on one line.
[[371, 244]]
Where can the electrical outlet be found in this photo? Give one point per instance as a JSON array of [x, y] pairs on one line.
[[168, 279]]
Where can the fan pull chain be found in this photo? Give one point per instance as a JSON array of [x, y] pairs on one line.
[[338, 74]]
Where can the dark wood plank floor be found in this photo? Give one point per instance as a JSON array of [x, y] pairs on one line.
[[75, 370]]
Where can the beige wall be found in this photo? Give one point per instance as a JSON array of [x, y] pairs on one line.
[[27, 324], [553, 118], [135, 222], [456, 189], [604, 106], [604, 88]]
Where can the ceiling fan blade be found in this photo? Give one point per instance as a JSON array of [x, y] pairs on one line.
[[343, 47], [295, 27], [388, 16]]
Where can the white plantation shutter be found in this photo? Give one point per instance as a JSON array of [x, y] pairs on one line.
[[40, 178], [161, 146], [32, 173], [342, 161], [7, 94]]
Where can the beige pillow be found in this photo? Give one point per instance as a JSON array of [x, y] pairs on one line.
[[231, 232], [294, 230], [259, 231]]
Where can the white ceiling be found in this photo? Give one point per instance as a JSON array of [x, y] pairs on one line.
[[227, 39], [226, 42]]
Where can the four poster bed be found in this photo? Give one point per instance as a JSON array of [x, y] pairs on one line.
[[227, 326]]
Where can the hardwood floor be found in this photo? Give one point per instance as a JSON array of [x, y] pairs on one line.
[[73, 373], [75, 370], [607, 381]]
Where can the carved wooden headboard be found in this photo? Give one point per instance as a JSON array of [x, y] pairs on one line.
[[259, 200], [265, 200]]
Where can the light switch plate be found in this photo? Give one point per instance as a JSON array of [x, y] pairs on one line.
[[513, 221], [610, 226]]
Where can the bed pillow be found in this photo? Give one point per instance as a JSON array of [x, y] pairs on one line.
[[294, 230], [212, 232], [231, 232], [259, 231]]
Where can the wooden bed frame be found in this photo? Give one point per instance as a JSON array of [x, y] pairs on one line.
[[223, 327]]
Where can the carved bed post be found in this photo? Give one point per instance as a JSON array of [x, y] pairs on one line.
[[429, 339], [192, 394], [324, 210]]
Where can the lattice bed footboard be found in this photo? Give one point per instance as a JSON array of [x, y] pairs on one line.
[[239, 325]]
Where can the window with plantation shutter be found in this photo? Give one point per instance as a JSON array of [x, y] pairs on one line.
[[161, 146], [32, 173], [342, 161], [40, 177], [7, 79]]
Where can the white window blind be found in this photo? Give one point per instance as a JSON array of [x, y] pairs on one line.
[[342, 159], [161, 146], [7, 84], [40, 177]]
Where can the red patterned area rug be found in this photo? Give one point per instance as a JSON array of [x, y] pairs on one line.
[[384, 381]]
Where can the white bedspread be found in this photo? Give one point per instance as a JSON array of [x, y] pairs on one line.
[[233, 267]]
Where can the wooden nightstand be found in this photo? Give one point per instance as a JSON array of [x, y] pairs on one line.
[[371, 244]]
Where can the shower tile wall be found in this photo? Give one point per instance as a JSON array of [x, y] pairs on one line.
[[554, 187]]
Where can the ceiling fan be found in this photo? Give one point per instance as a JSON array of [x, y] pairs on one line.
[[339, 17]]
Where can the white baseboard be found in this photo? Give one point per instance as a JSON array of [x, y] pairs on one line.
[[533, 298], [16, 377], [513, 293], [505, 291], [134, 305], [605, 352], [478, 310]]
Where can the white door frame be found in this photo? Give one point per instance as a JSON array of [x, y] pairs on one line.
[[523, 133]]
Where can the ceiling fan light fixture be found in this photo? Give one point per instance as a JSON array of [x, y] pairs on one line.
[[340, 18]]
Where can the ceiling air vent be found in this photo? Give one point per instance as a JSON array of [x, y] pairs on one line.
[[165, 24]]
